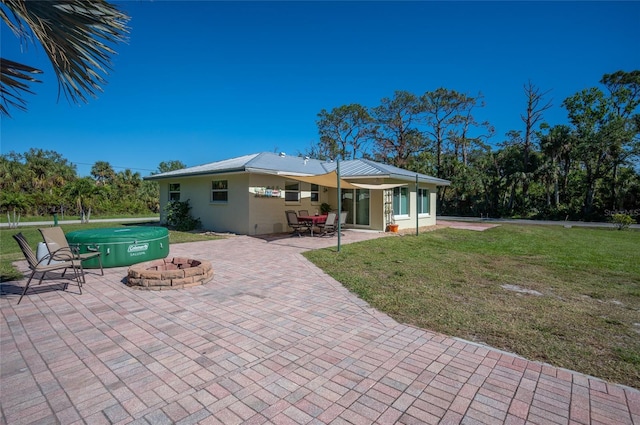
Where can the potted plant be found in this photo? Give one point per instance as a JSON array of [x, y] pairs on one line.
[[325, 208]]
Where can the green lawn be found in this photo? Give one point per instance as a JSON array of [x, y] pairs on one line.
[[587, 317], [10, 252]]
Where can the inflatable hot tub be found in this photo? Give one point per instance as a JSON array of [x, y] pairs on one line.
[[121, 246]]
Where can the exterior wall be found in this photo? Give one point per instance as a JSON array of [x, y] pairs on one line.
[[433, 201], [332, 198], [424, 219], [231, 216], [249, 211], [376, 209], [266, 213]]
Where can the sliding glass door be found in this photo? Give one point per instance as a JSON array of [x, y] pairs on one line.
[[356, 203]]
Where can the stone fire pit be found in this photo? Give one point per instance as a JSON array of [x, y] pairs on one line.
[[169, 273]]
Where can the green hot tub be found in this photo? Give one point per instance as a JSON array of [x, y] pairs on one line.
[[121, 246]]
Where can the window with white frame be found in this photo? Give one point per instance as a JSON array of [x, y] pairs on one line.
[[219, 191], [292, 191], [400, 201], [423, 201], [174, 191], [315, 193]]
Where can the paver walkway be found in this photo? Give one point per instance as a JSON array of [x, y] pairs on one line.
[[272, 339]]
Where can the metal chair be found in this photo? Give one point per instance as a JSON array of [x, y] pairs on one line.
[[343, 218], [329, 227], [303, 212], [59, 248], [43, 265], [292, 221]]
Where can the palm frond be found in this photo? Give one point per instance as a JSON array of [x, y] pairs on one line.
[[13, 78], [75, 34]]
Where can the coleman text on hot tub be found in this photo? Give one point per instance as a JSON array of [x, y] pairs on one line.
[[121, 246]]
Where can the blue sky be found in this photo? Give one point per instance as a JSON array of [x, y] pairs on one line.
[[203, 81]]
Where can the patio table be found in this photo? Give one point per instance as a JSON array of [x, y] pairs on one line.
[[312, 220]]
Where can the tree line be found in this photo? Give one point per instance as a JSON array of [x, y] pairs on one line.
[[586, 169], [581, 170], [42, 182]]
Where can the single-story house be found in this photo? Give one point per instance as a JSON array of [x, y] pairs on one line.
[[249, 194]]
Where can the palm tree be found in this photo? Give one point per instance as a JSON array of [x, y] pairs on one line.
[[83, 190], [75, 34], [103, 172], [555, 145]]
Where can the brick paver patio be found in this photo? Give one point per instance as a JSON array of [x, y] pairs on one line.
[[272, 339]]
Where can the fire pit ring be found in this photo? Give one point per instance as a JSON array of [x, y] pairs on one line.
[[169, 273]]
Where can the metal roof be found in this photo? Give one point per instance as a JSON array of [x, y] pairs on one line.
[[366, 168], [272, 163], [227, 165]]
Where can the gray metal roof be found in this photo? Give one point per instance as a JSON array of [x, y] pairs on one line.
[[227, 165], [271, 163], [366, 168]]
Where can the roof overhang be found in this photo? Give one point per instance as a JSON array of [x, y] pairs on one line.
[[406, 179], [421, 179], [329, 179], [194, 174]]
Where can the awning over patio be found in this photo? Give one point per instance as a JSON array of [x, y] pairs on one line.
[[327, 180], [378, 186], [331, 180]]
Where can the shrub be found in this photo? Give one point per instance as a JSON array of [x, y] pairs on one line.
[[179, 216], [622, 221]]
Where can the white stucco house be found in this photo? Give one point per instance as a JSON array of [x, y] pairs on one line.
[[249, 194]]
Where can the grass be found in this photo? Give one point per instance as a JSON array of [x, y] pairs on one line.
[[587, 317], [10, 252]]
